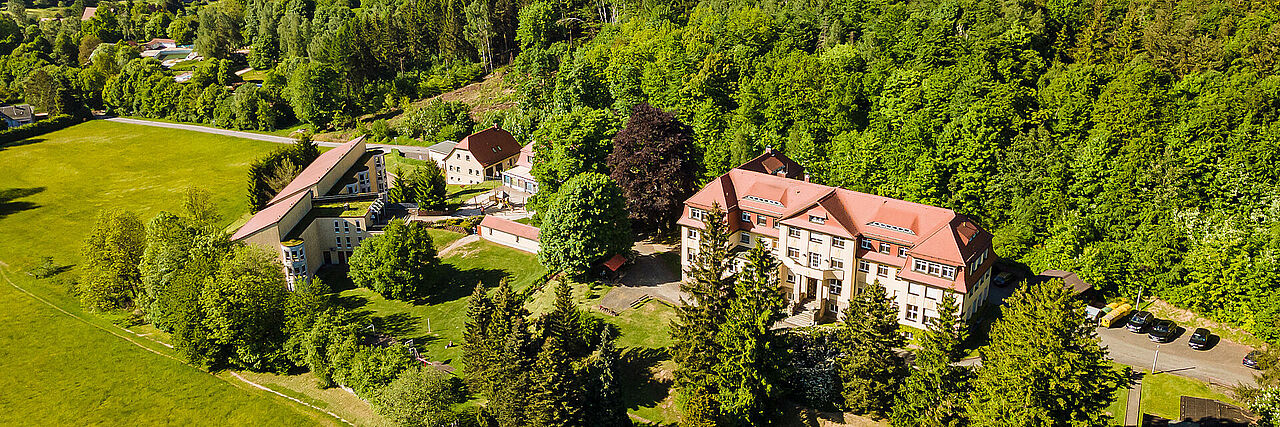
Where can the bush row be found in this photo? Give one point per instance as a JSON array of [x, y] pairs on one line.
[[42, 127]]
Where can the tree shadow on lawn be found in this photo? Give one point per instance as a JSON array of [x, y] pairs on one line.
[[27, 141], [8, 205], [636, 377], [461, 283]]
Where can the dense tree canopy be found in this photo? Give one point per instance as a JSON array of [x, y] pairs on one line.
[[400, 263], [653, 162], [586, 222]]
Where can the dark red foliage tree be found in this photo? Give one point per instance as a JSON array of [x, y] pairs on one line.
[[653, 162]]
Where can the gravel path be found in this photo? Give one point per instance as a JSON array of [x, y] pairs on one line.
[[256, 136]]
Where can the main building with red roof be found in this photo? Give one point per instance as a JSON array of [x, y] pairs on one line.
[[832, 242]]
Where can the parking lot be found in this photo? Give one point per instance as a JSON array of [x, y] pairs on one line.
[[1219, 364]]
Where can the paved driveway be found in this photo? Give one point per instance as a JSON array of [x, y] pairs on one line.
[[1219, 364]]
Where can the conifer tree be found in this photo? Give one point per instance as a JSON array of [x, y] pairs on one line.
[[477, 351], [556, 400], [745, 377], [565, 321], [694, 349], [932, 395], [1044, 366], [603, 407], [871, 370]]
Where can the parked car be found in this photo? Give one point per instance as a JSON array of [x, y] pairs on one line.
[[1253, 359], [1003, 279], [1139, 321], [1163, 331], [1200, 339]]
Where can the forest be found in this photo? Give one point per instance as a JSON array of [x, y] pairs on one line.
[[1130, 141]]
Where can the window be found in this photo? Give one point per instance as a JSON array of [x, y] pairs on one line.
[[745, 238], [346, 227], [864, 266], [902, 251], [833, 306], [929, 317], [746, 217], [692, 254], [693, 234], [815, 237], [793, 232], [337, 226], [837, 242], [817, 219], [833, 286], [934, 269], [760, 219], [891, 227], [837, 264], [932, 293], [337, 241], [882, 271], [866, 244], [913, 313], [357, 225], [915, 288], [763, 200], [793, 252], [884, 248], [791, 278], [696, 213], [815, 260]]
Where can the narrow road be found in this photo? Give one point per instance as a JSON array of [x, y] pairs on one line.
[[421, 151]]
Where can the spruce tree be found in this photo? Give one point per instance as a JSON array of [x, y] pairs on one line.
[[603, 408], [1043, 366], [478, 350], [694, 346], [557, 399], [933, 395], [565, 321], [871, 370], [745, 380]]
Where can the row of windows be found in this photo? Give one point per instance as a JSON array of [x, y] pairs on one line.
[[836, 241], [978, 260], [338, 241], [914, 311], [761, 220], [340, 226], [882, 247], [934, 269]]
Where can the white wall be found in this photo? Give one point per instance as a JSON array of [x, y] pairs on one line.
[[509, 240]]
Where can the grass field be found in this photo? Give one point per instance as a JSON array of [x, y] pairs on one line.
[[438, 322], [82, 370], [1161, 394]]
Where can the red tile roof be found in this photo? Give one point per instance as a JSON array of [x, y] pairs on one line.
[[932, 233], [269, 216], [317, 170], [511, 227], [774, 163], [490, 146], [616, 262]]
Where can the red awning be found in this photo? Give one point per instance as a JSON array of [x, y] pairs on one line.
[[614, 263]]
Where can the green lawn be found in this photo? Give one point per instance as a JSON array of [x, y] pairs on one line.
[[442, 238], [1118, 406], [461, 193], [436, 324], [63, 370], [1161, 394]]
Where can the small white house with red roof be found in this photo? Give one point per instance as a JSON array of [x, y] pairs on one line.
[[832, 242], [481, 156], [509, 233]]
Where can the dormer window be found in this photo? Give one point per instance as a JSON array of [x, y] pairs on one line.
[[817, 219], [891, 227]]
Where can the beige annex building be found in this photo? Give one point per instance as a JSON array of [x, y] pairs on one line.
[[324, 213]]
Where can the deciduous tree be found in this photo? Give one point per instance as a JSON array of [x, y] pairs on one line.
[[653, 162], [401, 263], [586, 223]]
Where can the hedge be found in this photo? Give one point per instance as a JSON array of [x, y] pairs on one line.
[[10, 136]]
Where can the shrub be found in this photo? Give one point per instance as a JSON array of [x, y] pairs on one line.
[[51, 124]]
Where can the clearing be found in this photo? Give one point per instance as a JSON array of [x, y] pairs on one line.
[[82, 369]]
